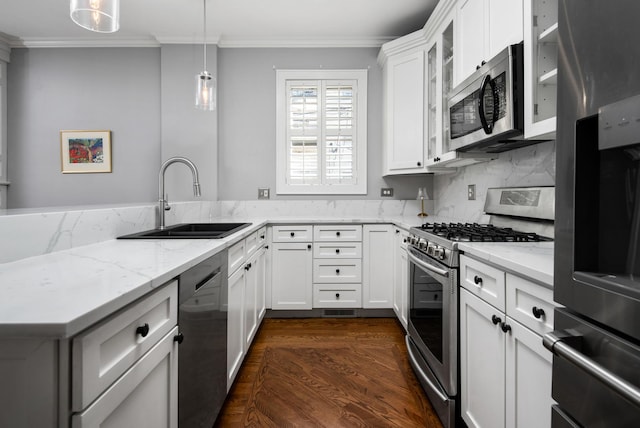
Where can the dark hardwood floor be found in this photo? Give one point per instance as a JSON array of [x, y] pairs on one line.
[[326, 372]]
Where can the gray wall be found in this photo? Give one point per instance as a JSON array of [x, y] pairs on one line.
[[64, 89], [145, 96], [247, 99]]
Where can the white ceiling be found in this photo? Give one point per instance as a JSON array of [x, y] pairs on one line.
[[229, 22]]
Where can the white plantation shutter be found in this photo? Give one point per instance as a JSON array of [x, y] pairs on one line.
[[321, 133]]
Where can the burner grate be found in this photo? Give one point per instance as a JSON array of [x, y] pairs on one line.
[[475, 232]]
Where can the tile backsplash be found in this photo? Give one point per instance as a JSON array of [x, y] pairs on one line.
[[528, 166]]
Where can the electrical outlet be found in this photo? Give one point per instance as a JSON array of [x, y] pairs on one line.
[[471, 192], [386, 192], [263, 193]]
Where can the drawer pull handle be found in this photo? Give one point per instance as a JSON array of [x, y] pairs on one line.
[[338, 233], [178, 338], [505, 327], [337, 271], [537, 312], [337, 295], [293, 234], [477, 280], [495, 320], [337, 250], [143, 330], [309, 246]]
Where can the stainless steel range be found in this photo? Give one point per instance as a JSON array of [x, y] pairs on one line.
[[518, 215]]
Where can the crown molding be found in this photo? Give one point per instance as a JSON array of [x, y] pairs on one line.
[[83, 43], [265, 42]]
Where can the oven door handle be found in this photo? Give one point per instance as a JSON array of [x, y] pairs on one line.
[[427, 266], [558, 344]]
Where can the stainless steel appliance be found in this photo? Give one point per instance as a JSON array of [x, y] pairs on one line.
[[596, 342], [202, 358], [432, 331], [486, 110]]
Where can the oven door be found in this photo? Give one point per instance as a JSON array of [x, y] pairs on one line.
[[433, 321]]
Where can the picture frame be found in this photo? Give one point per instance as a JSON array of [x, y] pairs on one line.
[[85, 151]]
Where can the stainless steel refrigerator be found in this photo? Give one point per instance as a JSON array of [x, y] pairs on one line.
[[596, 339]]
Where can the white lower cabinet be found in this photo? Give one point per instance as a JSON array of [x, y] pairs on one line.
[[246, 300], [146, 396], [292, 267], [377, 262], [505, 372], [400, 277]]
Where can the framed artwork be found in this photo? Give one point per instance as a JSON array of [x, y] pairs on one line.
[[85, 151]]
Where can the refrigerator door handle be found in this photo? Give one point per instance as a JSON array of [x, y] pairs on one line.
[[559, 344]]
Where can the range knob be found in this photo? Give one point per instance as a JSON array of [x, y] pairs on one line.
[[422, 243], [430, 249], [439, 253]]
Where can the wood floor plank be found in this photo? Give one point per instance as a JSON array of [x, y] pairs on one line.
[[327, 372]]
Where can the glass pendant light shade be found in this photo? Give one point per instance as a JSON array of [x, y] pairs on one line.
[[205, 91], [102, 16]]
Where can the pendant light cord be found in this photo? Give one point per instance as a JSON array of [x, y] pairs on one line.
[[205, 34]]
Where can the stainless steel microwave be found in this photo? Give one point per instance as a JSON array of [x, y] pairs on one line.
[[486, 111]]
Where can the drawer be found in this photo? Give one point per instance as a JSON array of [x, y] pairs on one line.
[[337, 271], [337, 296], [526, 300], [262, 236], [251, 243], [337, 250], [328, 233], [236, 256], [292, 233], [484, 281], [103, 353]]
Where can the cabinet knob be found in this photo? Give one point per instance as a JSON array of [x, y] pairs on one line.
[[505, 327], [404, 240], [419, 163], [338, 233], [143, 330], [309, 246], [247, 266], [293, 234], [266, 247], [477, 67], [178, 338], [337, 295], [261, 236], [495, 319], [337, 250], [337, 271], [537, 312], [477, 280]]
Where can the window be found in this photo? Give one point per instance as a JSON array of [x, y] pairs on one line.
[[321, 132]]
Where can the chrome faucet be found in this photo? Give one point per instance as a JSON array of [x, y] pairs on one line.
[[163, 203]]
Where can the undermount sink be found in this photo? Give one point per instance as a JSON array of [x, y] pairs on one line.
[[190, 231]]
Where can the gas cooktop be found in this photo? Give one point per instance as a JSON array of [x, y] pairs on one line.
[[474, 232]]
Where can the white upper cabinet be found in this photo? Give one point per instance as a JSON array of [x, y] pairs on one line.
[[404, 107], [540, 68], [485, 27]]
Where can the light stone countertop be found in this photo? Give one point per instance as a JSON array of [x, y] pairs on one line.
[[59, 294], [533, 260]]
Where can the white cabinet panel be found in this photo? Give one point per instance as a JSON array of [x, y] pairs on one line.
[[235, 325], [337, 270], [337, 295], [483, 280], [337, 250], [377, 262], [337, 233], [146, 396], [293, 233], [104, 352], [292, 269]]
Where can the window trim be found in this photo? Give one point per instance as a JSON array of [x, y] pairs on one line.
[[360, 141]]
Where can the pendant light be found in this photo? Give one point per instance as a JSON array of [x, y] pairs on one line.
[[205, 82], [102, 16]]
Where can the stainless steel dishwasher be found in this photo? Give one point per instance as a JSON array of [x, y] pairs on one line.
[[202, 356]]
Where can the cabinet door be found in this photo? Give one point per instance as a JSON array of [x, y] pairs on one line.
[[260, 266], [377, 264], [250, 300], [291, 276], [405, 112], [235, 325], [401, 283], [145, 396], [471, 40], [482, 363], [528, 379], [505, 25]]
